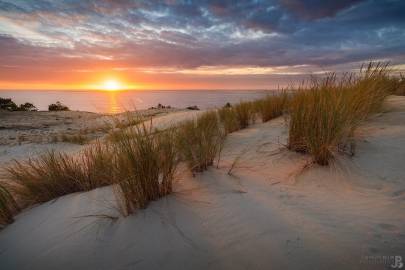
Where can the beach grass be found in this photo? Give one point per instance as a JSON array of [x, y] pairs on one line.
[[245, 113], [74, 138], [8, 206], [146, 162], [324, 114], [200, 140], [271, 106], [56, 174], [229, 119]]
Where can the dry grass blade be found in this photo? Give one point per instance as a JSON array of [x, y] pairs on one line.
[[271, 106], [324, 114], [145, 165], [200, 140], [245, 113], [56, 174], [8, 206]]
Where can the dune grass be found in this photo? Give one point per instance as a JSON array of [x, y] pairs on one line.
[[146, 162], [56, 174], [245, 113], [324, 114], [229, 119], [397, 84], [8, 206], [271, 106], [73, 138], [200, 140]]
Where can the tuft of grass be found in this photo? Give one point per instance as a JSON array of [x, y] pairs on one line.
[[8, 206], [200, 140], [245, 113], [97, 166], [56, 174], [146, 162], [324, 114], [271, 106], [399, 88], [228, 119], [74, 138]]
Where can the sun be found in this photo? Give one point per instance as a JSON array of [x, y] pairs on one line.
[[111, 85]]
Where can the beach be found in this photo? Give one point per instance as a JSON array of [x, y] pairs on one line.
[[261, 206]]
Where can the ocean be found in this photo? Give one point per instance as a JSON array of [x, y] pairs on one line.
[[119, 101]]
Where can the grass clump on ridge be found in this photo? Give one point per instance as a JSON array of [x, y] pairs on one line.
[[56, 174], [229, 119], [271, 106], [245, 113], [200, 140], [324, 114], [146, 162], [8, 206]]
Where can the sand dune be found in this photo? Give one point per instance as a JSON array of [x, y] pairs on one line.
[[273, 211], [29, 134]]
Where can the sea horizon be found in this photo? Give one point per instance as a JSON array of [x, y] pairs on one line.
[[100, 101]]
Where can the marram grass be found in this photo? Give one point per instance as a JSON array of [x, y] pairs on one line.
[[200, 140], [146, 161], [324, 114], [8, 206]]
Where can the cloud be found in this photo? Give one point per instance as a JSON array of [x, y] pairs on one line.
[[260, 34], [316, 9]]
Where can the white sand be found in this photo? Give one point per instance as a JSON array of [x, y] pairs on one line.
[[270, 214]]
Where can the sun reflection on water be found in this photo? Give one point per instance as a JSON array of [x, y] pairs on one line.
[[114, 106]]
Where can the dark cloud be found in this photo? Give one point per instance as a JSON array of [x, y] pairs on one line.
[[316, 9], [190, 34]]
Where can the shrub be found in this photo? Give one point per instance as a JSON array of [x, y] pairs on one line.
[[200, 140], [27, 107], [8, 206], [7, 104], [58, 107], [324, 114]]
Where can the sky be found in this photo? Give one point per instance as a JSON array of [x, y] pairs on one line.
[[169, 44]]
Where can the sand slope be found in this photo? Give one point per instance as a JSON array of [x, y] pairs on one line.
[[29, 134], [271, 212]]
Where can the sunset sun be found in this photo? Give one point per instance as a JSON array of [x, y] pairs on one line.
[[111, 85]]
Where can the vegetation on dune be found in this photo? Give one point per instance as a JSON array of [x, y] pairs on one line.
[[8, 206], [200, 140], [58, 106], [56, 174], [397, 84], [245, 113], [73, 138], [271, 106], [229, 119], [324, 114], [9, 105], [140, 161], [146, 162]]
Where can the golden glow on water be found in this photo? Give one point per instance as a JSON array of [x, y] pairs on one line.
[[114, 107]]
